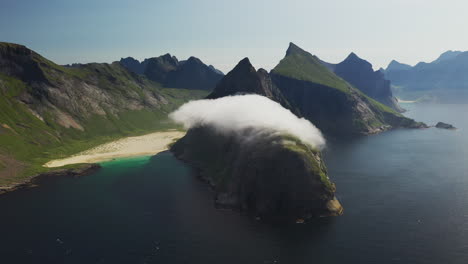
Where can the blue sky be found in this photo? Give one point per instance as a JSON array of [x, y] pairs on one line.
[[222, 33]]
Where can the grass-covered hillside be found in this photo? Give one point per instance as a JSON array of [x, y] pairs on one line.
[[49, 111], [328, 101], [301, 65]]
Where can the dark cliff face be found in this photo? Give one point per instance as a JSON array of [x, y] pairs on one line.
[[157, 69], [333, 112], [273, 177], [133, 65], [359, 73], [244, 79], [193, 74], [20, 62], [328, 101], [168, 71]]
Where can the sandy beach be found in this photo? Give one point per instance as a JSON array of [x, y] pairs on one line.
[[150, 144], [405, 101]]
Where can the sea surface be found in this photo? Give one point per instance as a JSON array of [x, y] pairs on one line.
[[405, 194]]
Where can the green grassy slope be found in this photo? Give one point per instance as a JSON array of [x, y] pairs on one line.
[[334, 105], [301, 65], [132, 105]]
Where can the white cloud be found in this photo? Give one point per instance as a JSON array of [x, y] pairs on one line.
[[236, 113]]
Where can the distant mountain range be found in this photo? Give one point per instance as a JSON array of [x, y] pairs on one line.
[[445, 76], [167, 70], [302, 83]]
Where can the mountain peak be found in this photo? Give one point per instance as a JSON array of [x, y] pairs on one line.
[[352, 56], [395, 65], [294, 49], [194, 60], [354, 61], [245, 62], [450, 54]]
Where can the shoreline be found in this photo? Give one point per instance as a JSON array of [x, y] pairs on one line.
[[33, 181], [87, 161], [405, 101], [149, 144]]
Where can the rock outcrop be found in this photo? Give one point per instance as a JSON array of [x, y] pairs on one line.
[[444, 125], [271, 176], [244, 79]]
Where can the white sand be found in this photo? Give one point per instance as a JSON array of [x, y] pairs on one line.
[[150, 144], [405, 101]]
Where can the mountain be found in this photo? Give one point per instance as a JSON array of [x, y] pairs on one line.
[[301, 83], [245, 79], [446, 77], [49, 111], [448, 55], [361, 75], [329, 102], [397, 66], [271, 177], [167, 70], [133, 65], [193, 74], [157, 69]]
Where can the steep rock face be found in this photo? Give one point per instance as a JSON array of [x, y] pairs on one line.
[[328, 101], [360, 74], [271, 176], [167, 70], [244, 79], [157, 69], [194, 74], [133, 65], [21, 62]]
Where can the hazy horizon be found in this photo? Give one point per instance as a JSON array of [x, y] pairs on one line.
[[222, 34]]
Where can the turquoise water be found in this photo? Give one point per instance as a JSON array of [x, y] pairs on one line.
[[405, 194]]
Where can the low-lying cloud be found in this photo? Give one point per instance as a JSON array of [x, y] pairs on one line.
[[240, 112]]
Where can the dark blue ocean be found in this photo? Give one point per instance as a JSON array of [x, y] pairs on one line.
[[405, 194]]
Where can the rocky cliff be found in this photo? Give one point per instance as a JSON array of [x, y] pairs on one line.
[[301, 83], [167, 70], [271, 176], [244, 79], [360, 74], [329, 102]]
